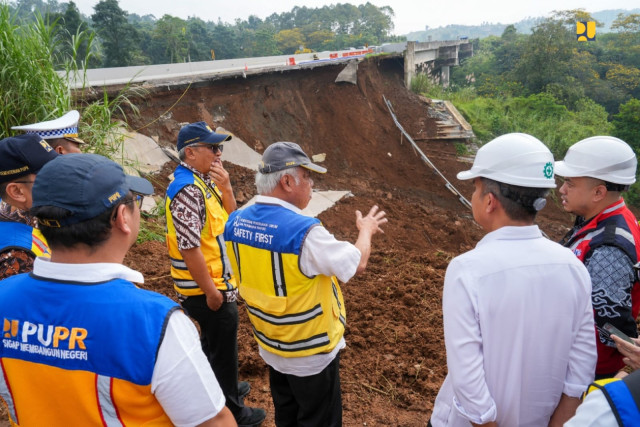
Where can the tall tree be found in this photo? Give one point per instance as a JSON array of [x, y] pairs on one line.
[[290, 40], [119, 38], [546, 57], [73, 26], [627, 123], [265, 42], [172, 34], [225, 41]]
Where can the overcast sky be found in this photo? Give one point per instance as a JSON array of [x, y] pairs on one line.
[[410, 15]]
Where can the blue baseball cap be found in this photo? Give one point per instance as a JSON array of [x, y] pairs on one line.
[[84, 184], [23, 155], [201, 133]]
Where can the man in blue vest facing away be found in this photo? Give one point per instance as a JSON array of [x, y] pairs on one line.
[[288, 266], [82, 345], [21, 158]]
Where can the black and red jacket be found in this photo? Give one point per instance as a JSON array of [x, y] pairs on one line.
[[614, 226]]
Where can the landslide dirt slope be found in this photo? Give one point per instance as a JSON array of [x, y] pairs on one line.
[[395, 361]]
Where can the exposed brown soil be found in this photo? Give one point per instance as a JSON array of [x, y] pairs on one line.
[[395, 360]]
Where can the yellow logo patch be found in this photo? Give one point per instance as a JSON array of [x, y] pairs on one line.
[[114, 197], [586, 31]]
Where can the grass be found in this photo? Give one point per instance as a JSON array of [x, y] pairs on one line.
[[153, 224], [33, 90], [30, 88]]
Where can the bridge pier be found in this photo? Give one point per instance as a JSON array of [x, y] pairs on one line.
[[409, 64], [439, 55], [444, 76]]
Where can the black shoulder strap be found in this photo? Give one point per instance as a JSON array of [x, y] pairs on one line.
[[633, 383]]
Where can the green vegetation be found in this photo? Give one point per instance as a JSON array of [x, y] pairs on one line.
[[31, 90], [152, 225], [129, 39], [550, 85], [29, 85]]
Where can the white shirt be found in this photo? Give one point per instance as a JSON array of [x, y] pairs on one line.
[[182, 380], [322, 254], [519, 331]]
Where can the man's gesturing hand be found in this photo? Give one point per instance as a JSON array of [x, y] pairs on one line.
[[372, 221]]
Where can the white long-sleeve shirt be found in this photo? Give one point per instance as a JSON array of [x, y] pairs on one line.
[[518, 325]]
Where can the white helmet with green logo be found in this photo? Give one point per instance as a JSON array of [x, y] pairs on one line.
[[515, 159], [603, 157]]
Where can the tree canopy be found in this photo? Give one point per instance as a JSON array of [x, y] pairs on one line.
[[128, 39]]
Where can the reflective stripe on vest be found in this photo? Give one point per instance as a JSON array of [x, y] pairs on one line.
[[292, 315], [92, 346], [22, 236], [212, 242], [614, 226], [105, 402]]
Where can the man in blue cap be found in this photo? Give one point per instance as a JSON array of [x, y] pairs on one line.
[[198, 203], [82, 344], [21, 158]]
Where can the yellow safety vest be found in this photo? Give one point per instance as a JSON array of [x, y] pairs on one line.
[[211, 240], [292, 315]]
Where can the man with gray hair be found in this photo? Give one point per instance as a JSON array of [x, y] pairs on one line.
[[288, 266]]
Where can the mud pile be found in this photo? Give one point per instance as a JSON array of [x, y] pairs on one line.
[[395, 360]]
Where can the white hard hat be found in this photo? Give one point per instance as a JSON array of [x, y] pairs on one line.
[[603, 157], [515, 159]]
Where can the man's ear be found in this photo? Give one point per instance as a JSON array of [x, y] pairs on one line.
[[492, 203], [189, 152], [123, 218], [285, 182], [599, 192], [16, 192]]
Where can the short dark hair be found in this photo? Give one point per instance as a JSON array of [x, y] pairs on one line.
[[517, 201], [92, 232], [56, 142], [3, 189]]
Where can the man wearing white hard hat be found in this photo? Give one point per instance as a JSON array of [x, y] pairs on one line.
[[605, 236], [518, 319], [61, 133]]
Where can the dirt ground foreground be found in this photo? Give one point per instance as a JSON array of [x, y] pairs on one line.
[[395, 360]]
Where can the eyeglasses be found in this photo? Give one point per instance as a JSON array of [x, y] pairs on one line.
[[137, 199], [213, 147], [25, 182]]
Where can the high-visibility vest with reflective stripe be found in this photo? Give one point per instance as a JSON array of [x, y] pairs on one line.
[[211, 239], [614, 226], [292, 315], [15, 235], [80, 354]]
